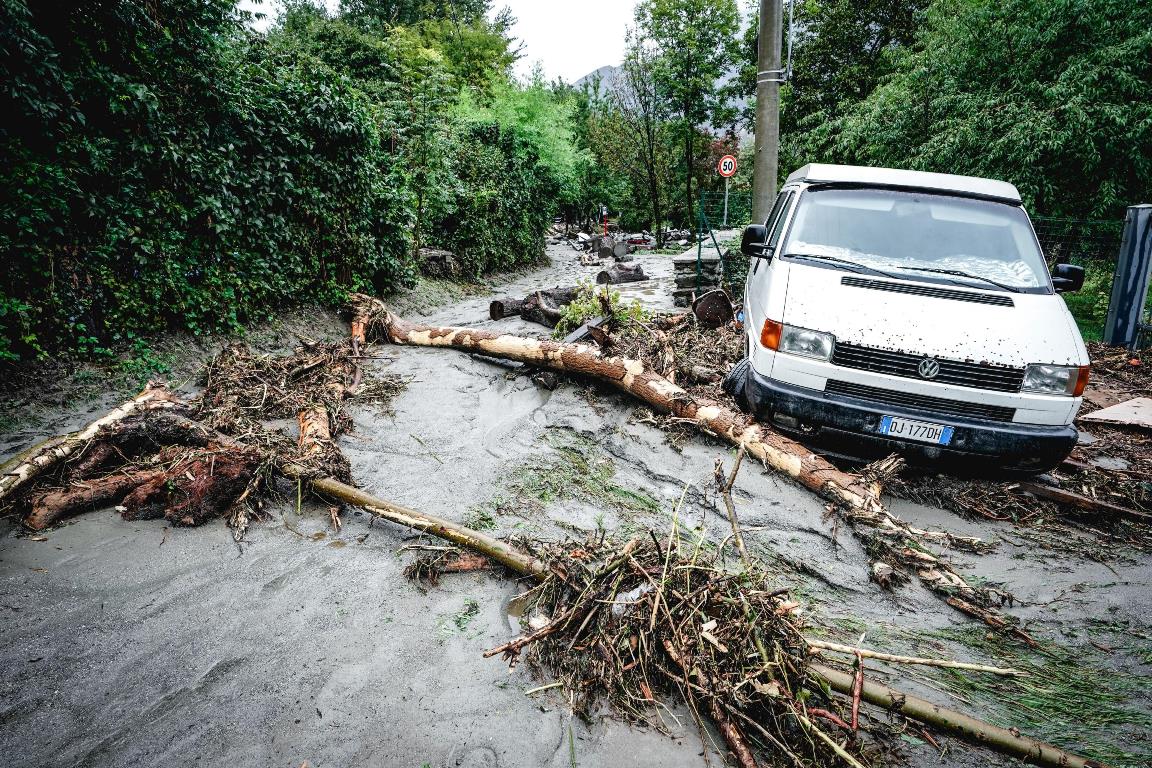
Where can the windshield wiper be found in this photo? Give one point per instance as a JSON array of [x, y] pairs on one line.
[[836, 259], [968, 275]]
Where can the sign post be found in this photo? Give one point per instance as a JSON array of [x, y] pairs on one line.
[[726, 168]]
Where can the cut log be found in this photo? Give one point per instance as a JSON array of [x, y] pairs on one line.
[[33, 462], [553, 299], [713, 309], [436, 262], [606, 248], [621, 273]]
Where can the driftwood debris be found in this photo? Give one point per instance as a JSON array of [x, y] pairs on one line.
[[1082, 502], [891, 541], [31, 463], [749, 659], [621, 273]]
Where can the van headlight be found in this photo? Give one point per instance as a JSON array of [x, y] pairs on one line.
[[1055, 379], [806, 343]]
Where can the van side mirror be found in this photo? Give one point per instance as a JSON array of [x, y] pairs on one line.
[[754, 243], [1067, 278]]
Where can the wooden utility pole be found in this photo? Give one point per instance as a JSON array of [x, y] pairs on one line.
[[769, 75]]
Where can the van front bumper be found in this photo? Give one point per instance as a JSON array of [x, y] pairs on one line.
[[848, 426]]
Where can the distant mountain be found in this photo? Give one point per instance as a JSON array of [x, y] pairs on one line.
[[606, 74]]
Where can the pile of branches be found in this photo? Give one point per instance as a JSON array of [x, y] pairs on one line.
[[650, 623], [194, 461], [683, 351]]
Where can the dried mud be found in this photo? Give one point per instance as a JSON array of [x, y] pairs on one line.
[[132, 643]]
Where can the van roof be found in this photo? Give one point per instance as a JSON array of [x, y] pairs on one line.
[[894, 177]]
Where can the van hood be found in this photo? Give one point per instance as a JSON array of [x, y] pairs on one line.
[[1036, 329]]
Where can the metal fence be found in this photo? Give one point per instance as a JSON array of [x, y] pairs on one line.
[[1079, 241], [1094, 245], [739, 209]]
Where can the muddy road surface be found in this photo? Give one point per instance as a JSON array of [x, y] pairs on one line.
[[136, 644]]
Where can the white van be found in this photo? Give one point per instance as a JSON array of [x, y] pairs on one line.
[[902, 311]]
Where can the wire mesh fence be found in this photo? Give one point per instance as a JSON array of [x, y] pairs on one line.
[[739, 210], [1094, 245]]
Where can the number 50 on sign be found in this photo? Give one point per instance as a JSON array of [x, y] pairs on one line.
[[727, 166]]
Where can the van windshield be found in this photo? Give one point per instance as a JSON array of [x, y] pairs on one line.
[[905, 233]]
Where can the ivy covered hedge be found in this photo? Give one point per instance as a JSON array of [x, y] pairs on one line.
[[165, 167]]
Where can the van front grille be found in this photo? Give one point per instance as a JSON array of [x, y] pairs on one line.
[[963, 374], [907, 400], [975, 297]]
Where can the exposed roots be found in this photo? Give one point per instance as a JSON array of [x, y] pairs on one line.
[[150, 466], [171, 462]]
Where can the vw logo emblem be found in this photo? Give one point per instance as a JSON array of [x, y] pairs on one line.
[[929, 368]]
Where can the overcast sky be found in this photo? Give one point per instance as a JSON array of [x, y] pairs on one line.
[[570, 39]]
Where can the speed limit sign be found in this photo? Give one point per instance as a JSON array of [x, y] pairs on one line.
[[727, 166]]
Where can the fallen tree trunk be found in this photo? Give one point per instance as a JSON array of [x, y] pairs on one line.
[[36, 460], [633, 377], [858, 498]]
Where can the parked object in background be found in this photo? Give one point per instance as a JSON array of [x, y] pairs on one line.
[[1126, 325], [890, 310]]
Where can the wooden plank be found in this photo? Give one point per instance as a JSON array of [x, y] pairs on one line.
[[582, 332]]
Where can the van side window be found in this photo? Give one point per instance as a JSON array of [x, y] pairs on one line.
[[779, 213], [777, 207]]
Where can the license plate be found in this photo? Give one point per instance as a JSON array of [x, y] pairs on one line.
[[921, 431]]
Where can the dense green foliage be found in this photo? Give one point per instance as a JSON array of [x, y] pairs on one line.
[[1050, 95], [166, 167]]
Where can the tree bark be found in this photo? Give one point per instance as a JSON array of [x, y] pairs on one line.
[[53, 506], [50, 453]]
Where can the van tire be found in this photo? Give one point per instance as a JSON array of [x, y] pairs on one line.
[[736, 383]]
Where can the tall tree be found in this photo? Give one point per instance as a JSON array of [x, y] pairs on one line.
[[842, 49], [693, 42], [637, 101]]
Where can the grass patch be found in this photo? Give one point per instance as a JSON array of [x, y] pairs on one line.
[[576, 469], [1068, 698], [457, 623], [480, 519]]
